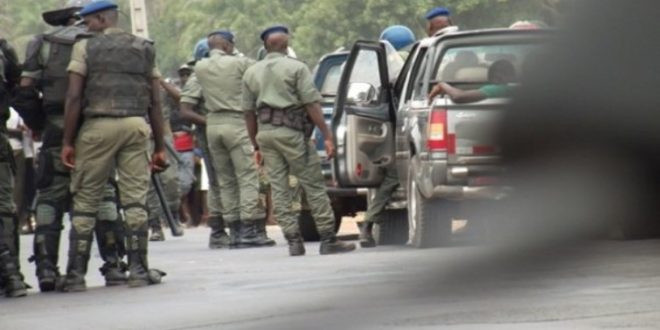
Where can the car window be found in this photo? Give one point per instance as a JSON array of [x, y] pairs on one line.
[[419, 92], [365, 70], [331, 82], [470, 64]]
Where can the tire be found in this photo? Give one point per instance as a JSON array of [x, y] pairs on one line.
[[308, 226], [393, 229], [429, 221]]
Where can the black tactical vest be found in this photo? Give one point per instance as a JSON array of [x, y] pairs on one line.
[[55, 76], [119, 75]]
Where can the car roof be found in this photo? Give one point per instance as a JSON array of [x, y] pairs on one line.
[[430, 41]]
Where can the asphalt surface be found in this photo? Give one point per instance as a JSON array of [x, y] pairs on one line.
[[600, 285]]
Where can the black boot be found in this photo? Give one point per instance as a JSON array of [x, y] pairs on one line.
[[331, 245], [111, 248], [46, 251], [139, 273], [248, 237], [262, 235], [76, 268], [11, 277], [366, 236], [296, 245], [235, 229], [219, 238]]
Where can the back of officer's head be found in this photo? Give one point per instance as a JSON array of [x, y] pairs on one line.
[[102, 20], [277, 42]]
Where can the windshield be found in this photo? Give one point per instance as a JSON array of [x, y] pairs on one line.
[[475, 64], [331, 82]]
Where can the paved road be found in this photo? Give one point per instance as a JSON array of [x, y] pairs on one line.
[[606, 284]]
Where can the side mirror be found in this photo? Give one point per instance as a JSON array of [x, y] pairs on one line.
[[361, 93]]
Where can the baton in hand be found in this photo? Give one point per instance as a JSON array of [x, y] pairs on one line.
[[175, 227]]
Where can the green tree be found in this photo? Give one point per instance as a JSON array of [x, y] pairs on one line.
[[318, 26]]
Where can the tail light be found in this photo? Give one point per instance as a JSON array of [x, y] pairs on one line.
[[437, 130]]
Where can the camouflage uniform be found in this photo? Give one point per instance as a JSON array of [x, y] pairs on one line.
[[11, 279], [170, 181], [47, 57]]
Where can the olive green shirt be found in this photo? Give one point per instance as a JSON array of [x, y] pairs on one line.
[[280, 82], [192, 94], [220, 76]]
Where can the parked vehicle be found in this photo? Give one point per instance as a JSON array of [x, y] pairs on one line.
[[444, 153]]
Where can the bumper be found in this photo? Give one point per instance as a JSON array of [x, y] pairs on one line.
[[346, 192], [471, 193], [437, 179]]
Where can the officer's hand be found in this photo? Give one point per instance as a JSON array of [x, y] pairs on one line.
[[258, 158], [329, 148], [68, 156], [159, 162]]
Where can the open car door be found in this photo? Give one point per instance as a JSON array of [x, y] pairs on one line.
[[363, 119]]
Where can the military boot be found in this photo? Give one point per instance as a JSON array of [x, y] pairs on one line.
[[219, 238], [46, 245], [46, 248], [76, 268], [111, 249], [157, 234], [262, 235], [331, 245], [296, 245], [248, 235], [11, 277], [366, 236], [139, 273], [235, 234]]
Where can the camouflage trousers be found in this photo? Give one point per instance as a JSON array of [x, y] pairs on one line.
[[170, 182], [8, 220], [234, 167], [382, 195], [286, 152]]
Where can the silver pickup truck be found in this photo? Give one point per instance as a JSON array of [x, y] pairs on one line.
[[444, 153]]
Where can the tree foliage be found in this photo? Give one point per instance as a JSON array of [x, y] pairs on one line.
[[318, 26]]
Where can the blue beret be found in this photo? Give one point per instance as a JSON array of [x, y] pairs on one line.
[[225, 34], [274, 29], [97, 6], [437, 11]]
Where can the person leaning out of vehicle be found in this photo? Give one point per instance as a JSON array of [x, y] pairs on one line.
[[501, 76]]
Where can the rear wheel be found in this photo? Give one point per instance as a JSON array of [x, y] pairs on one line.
[[429, 221], [393, 228]]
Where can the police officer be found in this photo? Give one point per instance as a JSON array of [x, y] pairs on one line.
[[220, 76], [193, 108], [280, 91], [45, 72], [11, 279], [113, 75], [438, 21]]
